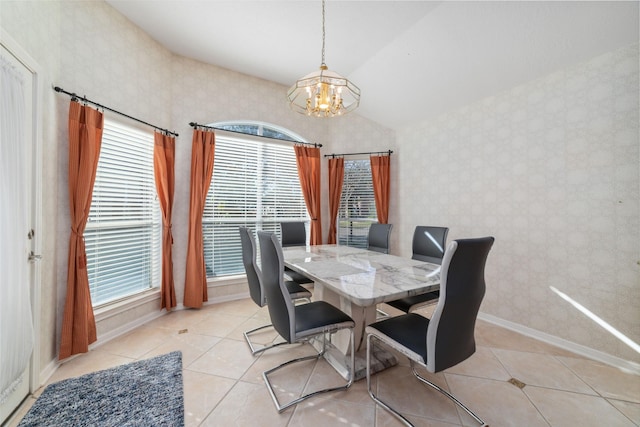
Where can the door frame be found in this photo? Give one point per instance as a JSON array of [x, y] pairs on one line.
[[36, 197]]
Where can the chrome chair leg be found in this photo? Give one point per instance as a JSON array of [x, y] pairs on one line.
[[375, 398], [255, 350], [381, 314], [446, 393], [281, 407], [422, 379]]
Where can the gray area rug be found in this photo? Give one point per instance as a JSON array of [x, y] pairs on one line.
[[143, 393]]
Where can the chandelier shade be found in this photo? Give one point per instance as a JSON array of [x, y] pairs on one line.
[[323, 93]]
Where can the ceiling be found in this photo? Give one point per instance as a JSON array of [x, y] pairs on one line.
[[411, 59]]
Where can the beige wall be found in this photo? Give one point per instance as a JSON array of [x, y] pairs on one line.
[[89, 48], [551, 169], [559, 194], [203, 93]]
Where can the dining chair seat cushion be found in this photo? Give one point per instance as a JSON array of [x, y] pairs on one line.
[[317, 317], [294, 276], [407, 330], [296, 291], [405, 304]]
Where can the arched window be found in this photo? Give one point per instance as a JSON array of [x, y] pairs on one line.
[[259, 129], [254, 184]]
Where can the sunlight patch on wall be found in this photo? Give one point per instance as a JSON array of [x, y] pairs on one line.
[[613, 331]]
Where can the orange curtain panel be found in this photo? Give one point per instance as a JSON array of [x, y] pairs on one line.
[[164, 155], [381, 182], [202, 152], [85, 139], [308, 162], [336, 178]]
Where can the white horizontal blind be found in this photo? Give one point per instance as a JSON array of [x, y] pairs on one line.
[[255, 184], [357, 204], [124, 231]]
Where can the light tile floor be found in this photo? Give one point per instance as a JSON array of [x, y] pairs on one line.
[[223, 384]]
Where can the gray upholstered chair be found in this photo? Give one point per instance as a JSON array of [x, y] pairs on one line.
[[297, 323], [256, 290], [294, 233], [378, 239], [448, 337], [428, 245]]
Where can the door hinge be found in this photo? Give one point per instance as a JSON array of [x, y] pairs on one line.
[[33, 257]]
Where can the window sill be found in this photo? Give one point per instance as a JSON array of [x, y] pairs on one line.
[[120, 306], [227, 280]]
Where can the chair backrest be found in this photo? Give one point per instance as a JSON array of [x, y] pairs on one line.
[[251, 267], [450, 334], [281, 309], [378, 239], [293, 233], [429, 243]]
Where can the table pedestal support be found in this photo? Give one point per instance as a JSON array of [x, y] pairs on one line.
[[339, 346]]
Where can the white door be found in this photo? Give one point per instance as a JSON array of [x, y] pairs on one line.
[[17, 142]]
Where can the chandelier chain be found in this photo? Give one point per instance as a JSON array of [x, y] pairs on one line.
[[323, 93], [323, 33]]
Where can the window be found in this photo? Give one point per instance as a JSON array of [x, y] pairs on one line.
[[254, 184], [357, 204], [124, 230]]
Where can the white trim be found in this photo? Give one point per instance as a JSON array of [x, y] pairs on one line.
[[115, 308], [119, 331], [625, 365], [142, 300], [48, 371], [36, 203], [227, 298], [217, 282]]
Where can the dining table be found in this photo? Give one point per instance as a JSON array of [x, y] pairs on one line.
[[356, 280]]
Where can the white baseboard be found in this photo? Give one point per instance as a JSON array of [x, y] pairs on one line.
[[114, 333], [227, 298], [48, 371], [52, 366], [617, 362]]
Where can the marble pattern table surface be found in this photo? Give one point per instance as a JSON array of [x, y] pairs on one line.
[[364, 277]]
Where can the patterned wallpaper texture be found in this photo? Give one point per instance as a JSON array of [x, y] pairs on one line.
[[551, 169], [89, 48]]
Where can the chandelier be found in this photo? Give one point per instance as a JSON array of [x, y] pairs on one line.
[[323, 93]]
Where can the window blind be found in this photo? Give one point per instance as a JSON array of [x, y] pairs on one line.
[[254, 184], [357, 204], [123, 232]]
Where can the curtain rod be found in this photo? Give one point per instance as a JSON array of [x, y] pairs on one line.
[[388, 152], [75, 97], [197, 125]]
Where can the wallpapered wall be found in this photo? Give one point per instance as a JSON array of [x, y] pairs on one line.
[[91, 49], [551, 169]]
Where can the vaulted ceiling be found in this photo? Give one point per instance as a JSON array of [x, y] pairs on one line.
[[411, 59]]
